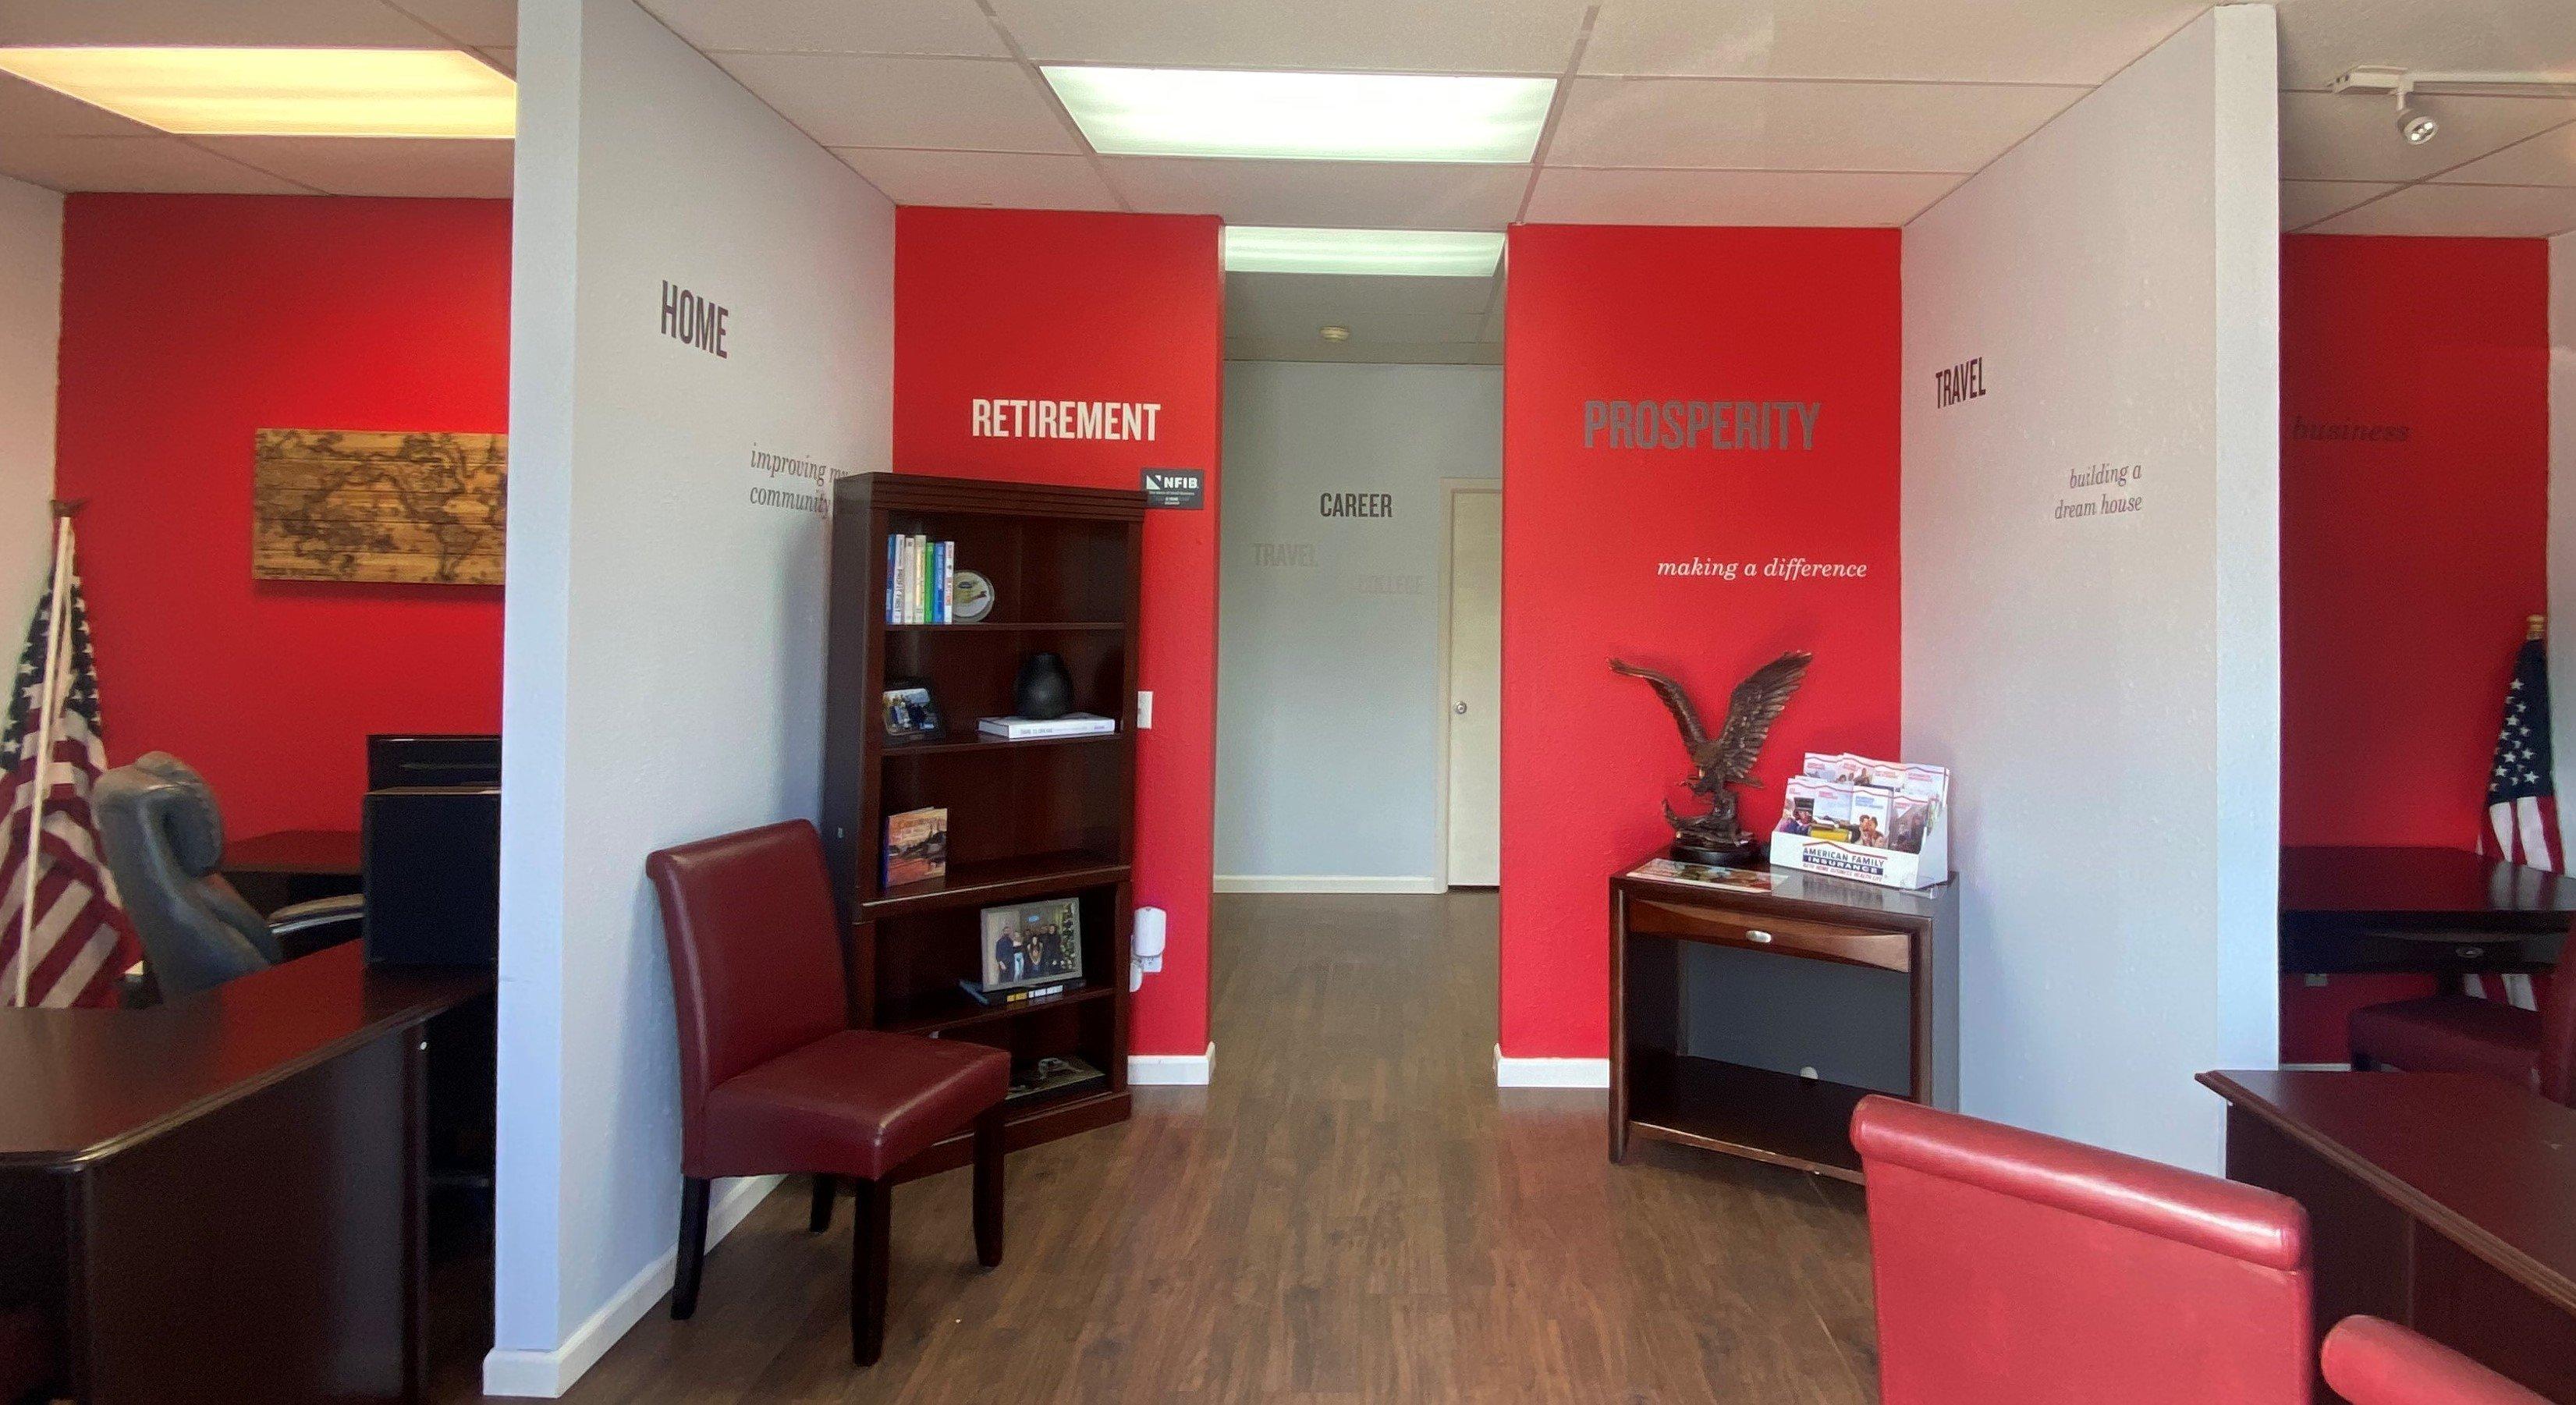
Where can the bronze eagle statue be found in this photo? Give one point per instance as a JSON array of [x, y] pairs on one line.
[[1726, 759]]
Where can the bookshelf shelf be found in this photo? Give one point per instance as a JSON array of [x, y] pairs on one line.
[[1043, 818], [957, 741]]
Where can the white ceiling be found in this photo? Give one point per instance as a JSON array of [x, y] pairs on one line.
[[54, 141], [1670, 111]]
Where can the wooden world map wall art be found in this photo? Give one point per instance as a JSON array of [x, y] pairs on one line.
[[372, 505]]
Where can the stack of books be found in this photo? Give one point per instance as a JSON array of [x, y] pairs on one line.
[[1072, 724], [921, 574]]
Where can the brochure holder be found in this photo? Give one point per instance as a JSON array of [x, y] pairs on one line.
[[1890, 867]]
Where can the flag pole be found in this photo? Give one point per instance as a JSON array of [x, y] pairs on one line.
[[47, 701]]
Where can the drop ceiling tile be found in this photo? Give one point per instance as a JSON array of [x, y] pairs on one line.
[[1991, 41], [1346, 194], [1009, 180], [1364, 320], [1314, 348], [2490, 211], [311, 23], [946, 103], [1307, 296], [2304, 203], [377, 165], [472, 23], [2547, 159], [1572, 196], [1796, 126], [2322, 38], [32, 110], [833, 26], [156, 163], [1380, 36], [2353, 136]]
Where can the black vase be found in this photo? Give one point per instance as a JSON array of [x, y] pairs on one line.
[[1044, 689]]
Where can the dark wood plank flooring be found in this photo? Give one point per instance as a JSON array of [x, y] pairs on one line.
[[1351, 1213]]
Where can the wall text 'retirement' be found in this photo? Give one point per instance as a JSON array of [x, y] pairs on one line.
[[1065, 419], [1701, 424]]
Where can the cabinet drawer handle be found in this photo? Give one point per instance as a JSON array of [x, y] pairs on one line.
[[1757, 934]]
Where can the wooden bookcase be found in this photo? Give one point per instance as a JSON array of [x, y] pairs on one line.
[[1027, 819]]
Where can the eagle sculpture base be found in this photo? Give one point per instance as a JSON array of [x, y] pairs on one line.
[[1684, 850]]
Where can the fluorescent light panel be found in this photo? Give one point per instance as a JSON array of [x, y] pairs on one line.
[[1425, 253], [282, 92], [1304, 116]]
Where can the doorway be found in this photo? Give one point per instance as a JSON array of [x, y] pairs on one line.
[[1471, 647]]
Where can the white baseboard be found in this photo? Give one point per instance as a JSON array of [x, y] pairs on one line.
[[1170, 1070], [1324, 883], [545, 1375], [1549, 1073]]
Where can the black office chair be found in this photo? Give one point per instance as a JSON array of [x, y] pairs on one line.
[[163, 838]]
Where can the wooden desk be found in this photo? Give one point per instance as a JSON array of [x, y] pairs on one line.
[[1659, 1089], [223, 1198], [2445, 911], [292, 866], [2446, 1201]]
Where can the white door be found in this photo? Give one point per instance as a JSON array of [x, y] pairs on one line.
[[1475, 686]]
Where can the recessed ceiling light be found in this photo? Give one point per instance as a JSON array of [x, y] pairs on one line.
[[282, 92], [1304, 116], [1434, 253], [1334, 333]]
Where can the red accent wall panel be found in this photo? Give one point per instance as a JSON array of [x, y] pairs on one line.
[[2414, 541], [1640, 314], [1030, 304], [191, 321]]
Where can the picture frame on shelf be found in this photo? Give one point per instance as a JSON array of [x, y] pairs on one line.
[[1032, 943], [911, 713]]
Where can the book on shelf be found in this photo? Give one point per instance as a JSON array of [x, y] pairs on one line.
[[1022, 995], [921, 580], [1072, 724], [916, 846]]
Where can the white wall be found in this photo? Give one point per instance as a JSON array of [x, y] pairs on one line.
[[1328, 638], [31, 326], [663, 648], [2107, 688]]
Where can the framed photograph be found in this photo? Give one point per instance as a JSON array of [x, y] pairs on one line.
[[1035, 943], [911, 714]]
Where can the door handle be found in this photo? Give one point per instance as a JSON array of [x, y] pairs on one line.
[[1462, 709]]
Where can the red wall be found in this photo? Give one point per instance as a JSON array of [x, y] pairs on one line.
[[1651, 314], [2407, 563], [191, 321], [1054, 304]]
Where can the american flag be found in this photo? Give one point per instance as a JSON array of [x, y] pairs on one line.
[[2522, 803], [82, 940]]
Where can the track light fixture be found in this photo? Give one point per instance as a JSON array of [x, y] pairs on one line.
[[2415, 126]]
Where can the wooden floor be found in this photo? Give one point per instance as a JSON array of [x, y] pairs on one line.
[[1351, 1213]]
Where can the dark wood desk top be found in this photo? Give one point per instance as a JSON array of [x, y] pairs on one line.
[[76, 1085], [333, 851], [2489, 1166], [2403, 885], [1796, 892]]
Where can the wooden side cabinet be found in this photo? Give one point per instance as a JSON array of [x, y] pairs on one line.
[[1699, 1056]]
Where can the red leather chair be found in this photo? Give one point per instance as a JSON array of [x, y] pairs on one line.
[[2463, 1034], [2371, 1362], [774, 1081], [2018, 1269]]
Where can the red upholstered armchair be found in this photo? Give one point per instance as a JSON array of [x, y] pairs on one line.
[[2456, 1033], [2371, 1362], [772, 1079], [2018, 1269]]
